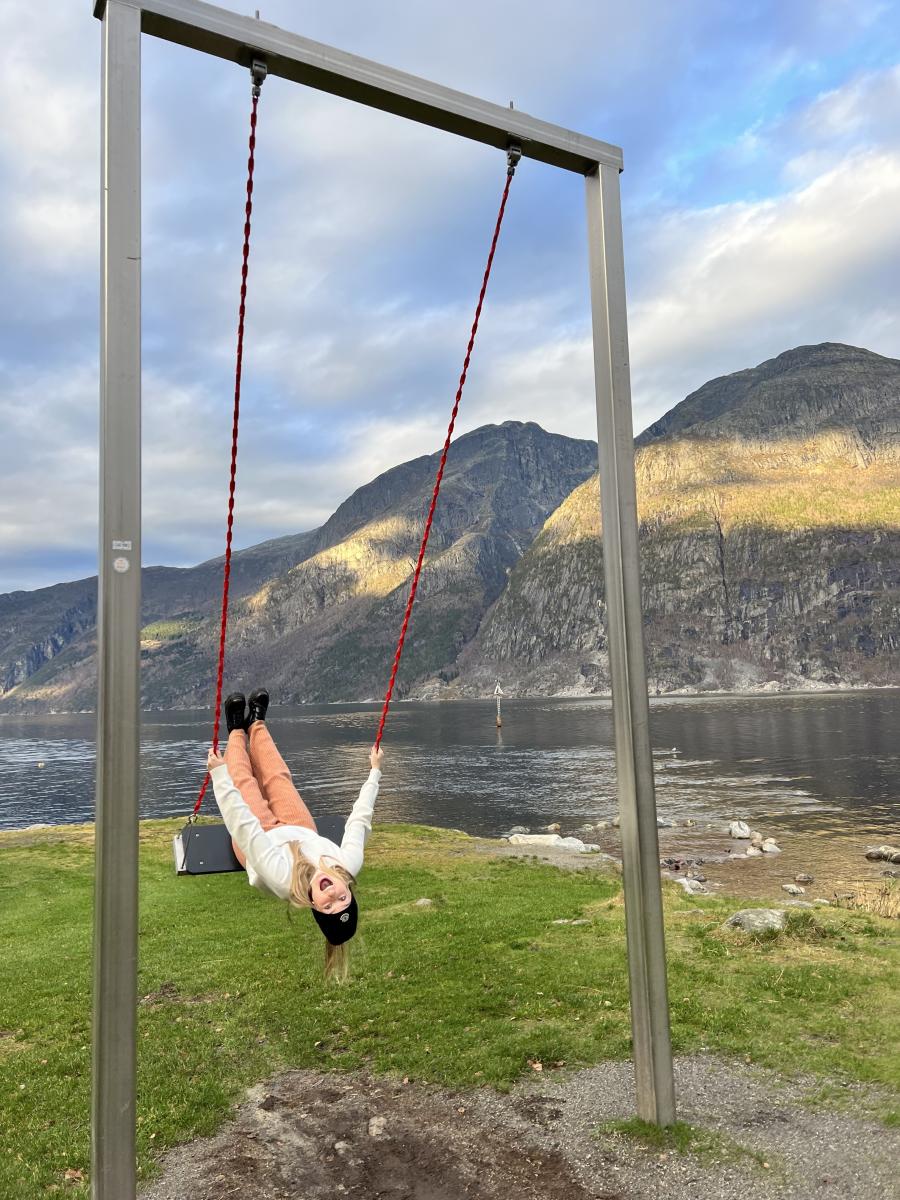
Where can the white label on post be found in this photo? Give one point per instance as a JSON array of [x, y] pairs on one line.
[[121, 565], [117, 545]]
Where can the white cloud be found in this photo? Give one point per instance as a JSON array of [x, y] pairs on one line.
[[48, 461], [741, 282], [370, 232], [49, 136]]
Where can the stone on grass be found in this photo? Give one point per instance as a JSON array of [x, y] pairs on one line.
[[424, 902], [792, 889], [739, 829], [552, 840], [758, 920], [693, 887]]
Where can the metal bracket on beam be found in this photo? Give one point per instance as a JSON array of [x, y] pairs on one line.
[[259, 71], [513, 157]]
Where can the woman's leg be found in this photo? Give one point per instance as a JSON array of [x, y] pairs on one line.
[[275, 781], [239, 768]]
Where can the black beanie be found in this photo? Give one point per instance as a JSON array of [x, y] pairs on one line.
[[338, 927]]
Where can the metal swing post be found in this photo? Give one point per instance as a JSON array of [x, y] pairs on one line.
[[118, 698], [631, 709]]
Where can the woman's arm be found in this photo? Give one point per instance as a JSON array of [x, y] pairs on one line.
[[269, 860], [359, 823]]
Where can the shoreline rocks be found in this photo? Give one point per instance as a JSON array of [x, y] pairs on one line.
[[889, 854], [554, 841]]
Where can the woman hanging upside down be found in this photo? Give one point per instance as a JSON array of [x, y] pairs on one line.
[[273, 832]]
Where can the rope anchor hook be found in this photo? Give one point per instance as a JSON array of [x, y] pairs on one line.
[[259, 71], [513, 157]]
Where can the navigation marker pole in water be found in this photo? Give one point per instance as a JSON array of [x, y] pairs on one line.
[[498, 692]]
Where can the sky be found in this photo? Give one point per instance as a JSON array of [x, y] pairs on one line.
[[761, 208]]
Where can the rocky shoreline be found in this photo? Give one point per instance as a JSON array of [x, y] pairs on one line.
[[703, 857]]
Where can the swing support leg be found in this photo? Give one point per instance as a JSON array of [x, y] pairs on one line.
[[118, 713], [631, 710]]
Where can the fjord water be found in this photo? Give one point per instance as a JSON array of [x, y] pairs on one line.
[[819, 762]]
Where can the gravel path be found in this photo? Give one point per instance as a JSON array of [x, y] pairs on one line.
[[309, 1136]]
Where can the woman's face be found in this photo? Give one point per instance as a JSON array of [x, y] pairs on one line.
[[328, 893]]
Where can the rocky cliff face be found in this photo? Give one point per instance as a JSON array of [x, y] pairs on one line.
[[769, 504], [770, 543], [316, 616]]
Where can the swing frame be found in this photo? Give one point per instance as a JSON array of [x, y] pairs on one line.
[[240, 39]]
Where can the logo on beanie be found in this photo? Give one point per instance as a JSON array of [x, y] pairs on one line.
[[345, 916]]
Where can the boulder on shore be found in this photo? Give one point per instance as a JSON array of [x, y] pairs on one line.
[[758, 920], [883, 854], [554, 841], [693, 887]]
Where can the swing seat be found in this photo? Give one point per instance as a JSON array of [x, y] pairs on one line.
[[209, 849]]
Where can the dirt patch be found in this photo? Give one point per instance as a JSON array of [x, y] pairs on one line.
[[315, 1136], [311, 1136], [168, 993]]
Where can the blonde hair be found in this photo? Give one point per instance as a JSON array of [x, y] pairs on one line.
[[337, 958]]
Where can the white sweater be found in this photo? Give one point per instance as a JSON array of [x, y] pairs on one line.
[[269, 861]]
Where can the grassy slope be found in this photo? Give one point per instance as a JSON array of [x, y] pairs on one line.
[[467, 992]]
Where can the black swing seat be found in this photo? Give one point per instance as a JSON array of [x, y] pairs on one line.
[[207, 849]]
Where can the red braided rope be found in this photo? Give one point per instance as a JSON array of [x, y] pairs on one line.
[[226, 576], [440, 472]]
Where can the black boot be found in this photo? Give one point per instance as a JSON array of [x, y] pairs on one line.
[[259, 703], [235, 717]]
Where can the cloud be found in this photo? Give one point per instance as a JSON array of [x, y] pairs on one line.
[[48, 461], [48, 137], [727, 286], [761, 183]]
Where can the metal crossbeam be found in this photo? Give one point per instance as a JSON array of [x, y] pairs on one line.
[[241, 39]]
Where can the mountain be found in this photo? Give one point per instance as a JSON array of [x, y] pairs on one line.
[[316, 616], [769, 506], [769, 512]]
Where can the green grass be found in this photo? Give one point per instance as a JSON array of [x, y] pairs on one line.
[[709, 1146], [468, 992], [170, 630]]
